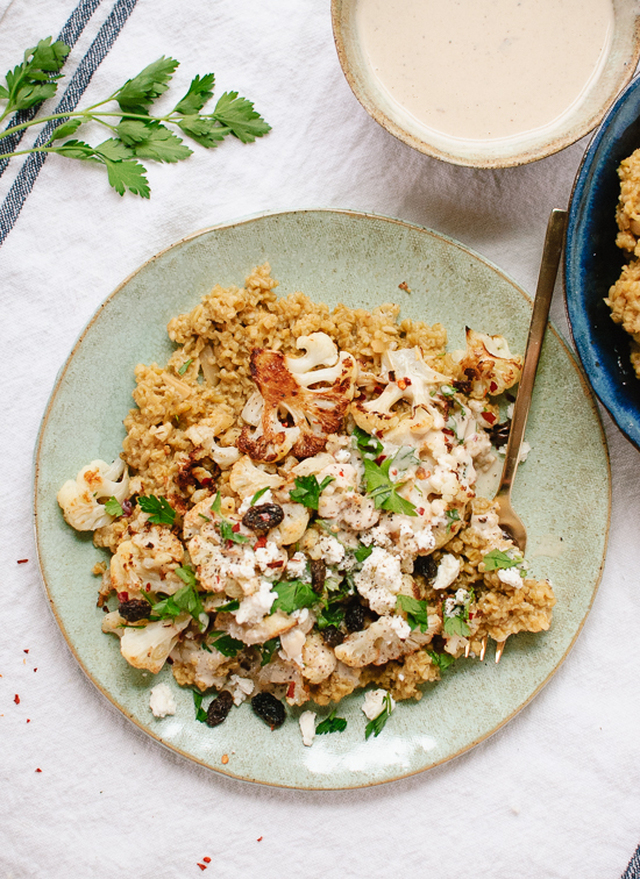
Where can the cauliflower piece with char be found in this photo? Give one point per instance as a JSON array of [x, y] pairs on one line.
[[147, 646], [147, 562], [489, 365], [288, 389], [80, 498]]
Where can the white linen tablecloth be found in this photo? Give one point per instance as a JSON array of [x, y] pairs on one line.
[[556, 792]]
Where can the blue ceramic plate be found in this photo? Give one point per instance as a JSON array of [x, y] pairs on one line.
[[593, 263], [562, 489]]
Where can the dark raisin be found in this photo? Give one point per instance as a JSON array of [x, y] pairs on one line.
[[499, 433], [332, 636], [463, 387], [318, 574], [425, 566], [263, 518], [269, 709], [354, 616], [219, 708], [134, 610]]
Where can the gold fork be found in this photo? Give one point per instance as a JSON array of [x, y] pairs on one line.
[[509, 520]]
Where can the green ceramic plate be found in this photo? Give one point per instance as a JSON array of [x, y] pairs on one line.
[[562, 490]]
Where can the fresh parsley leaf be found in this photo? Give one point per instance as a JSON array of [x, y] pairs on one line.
[[447, 391], [188, 576], [162, 513], [35, 80], [186, 599], [293, 595], [453, 515], [185, 366], [383, 490], [201, 714], [112, 507], [200, 91], [362, 553], [375, 726], [239, 116], [159, 144], [234, 604], [497, 559], [331, 724], [442, 660], [308, 490], [66, 129], [268, 649], [225, 644], [456, 625], [141, 91], [216, 506], [227, 533], [368, 445], [331, 614], [415, 610], [258, 495], [203, 129]]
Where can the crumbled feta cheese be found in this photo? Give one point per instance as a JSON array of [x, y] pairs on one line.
[[510, 576], [400, 626], [162, 701], [255, 607], [242, 688], [332, 551], [374, 703], [268, 554], [525, 448], [297, 565], [461, 596], [307, 723], [380, 580], [449, 608], [292, 643], [342, 456], [448, 570]]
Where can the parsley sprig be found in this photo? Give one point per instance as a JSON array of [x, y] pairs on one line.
[[379, 484], [162, 513], [293, 595], [375, 726], [134, 132], [497, 559], [416, 611], [331, 724], [308, 490]]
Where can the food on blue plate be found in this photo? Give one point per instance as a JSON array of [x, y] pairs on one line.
[[624, 295], [294, 515]]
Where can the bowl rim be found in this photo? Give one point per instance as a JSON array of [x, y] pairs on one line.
[[619, 408], [620, 75]]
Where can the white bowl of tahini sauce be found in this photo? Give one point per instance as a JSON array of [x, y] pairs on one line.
[[487, 83]]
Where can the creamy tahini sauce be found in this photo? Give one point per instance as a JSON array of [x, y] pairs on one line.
[[479, 69]]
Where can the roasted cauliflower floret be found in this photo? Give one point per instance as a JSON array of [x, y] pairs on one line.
[[80, 498], [291, 413], [146, 646], [489, 365], [147, 562]]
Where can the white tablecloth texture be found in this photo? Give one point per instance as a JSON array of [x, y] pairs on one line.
[[83, 792]]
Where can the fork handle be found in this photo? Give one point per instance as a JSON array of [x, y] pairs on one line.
[[541, 304]]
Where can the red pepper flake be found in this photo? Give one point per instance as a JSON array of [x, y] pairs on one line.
[[16, 699], [260, 543], [38, 769], [291, 689], [202, 866], [404, 286], [36, 668], [448, 431], [28, 720], [259, 839], [380, 459], [22, 561], [277, 564], [489, 416], [493, 387], [207, 860], [420, 511], [236, 528], [26, 651], [123, 596]]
